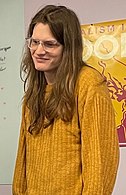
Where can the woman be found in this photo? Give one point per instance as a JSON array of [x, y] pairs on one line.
[[68, 142]]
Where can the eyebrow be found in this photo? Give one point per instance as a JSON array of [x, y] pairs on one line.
[[44, 40]]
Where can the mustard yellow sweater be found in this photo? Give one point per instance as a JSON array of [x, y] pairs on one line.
[[77, 158]]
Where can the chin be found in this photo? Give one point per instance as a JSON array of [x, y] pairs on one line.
[[40, 67]]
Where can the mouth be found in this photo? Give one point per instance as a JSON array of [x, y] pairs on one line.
[[40, 60]]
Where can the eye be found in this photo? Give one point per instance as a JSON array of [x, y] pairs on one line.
[[34, 42], [50, 44]]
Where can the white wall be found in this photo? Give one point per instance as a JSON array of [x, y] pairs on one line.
[[11, 37], [88, 11]]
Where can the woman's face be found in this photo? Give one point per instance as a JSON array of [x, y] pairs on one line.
[[46, 52]]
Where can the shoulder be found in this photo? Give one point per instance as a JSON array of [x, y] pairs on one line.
[[90, 76], [90, 81], [25, 110]]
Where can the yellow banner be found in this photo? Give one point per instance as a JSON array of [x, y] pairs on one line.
[[104, 47]]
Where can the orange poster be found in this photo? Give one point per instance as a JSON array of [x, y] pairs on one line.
[[105, 49]]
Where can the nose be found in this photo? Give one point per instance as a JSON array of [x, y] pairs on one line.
[[40, 49]]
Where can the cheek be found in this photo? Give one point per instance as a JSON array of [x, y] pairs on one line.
[[60, 54], [32, 55], [32, 52]]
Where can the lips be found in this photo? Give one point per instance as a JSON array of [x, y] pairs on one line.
[[40, 60]]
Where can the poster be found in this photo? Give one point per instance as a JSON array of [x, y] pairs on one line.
[[105, 49]]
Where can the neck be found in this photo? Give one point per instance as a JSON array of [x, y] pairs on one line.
[[50, 78]]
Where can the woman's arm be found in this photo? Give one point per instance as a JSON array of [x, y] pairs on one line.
[[19, 181], [100, 149]]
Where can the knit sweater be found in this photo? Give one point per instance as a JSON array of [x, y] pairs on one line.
[[71, 158]]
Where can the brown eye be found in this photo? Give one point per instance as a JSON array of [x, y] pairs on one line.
[[50, 44], [34, 42]]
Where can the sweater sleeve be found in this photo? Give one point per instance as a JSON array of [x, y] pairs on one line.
[[19, 180], [100, 149]]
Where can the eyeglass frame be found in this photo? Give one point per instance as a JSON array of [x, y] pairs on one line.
[[47, 48]]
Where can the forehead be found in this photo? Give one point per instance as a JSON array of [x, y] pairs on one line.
[[42, 31]]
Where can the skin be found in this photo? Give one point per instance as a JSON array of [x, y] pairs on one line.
[[47, 62]]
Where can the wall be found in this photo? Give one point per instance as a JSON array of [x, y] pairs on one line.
[[89, 11], [11, 44]]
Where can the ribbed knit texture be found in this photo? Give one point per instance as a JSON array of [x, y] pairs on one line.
[[77, 158]]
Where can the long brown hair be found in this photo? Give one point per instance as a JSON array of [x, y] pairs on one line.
[[65, 27]]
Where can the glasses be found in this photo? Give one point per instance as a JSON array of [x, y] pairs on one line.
[[47, 45]]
